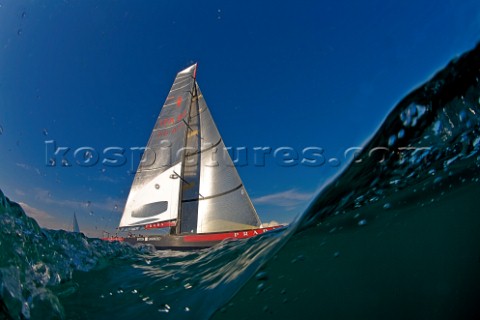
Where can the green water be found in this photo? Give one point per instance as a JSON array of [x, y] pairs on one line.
[[412, 262]]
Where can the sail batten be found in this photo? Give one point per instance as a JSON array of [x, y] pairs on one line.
[[213, 196]]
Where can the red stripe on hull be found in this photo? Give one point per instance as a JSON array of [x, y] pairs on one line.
[[159, 225], [227, 235]]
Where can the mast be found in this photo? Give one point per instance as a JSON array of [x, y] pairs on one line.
[[187, 219], [186, 184]]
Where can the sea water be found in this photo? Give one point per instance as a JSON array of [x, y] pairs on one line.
[[395, 236]]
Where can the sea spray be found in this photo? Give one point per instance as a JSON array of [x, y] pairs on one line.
[[34, 260]]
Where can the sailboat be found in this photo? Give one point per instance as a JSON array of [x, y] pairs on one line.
[[186, 180], [75, 227]]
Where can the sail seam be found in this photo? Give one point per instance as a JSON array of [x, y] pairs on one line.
[[181, 88], [214, 196], [182, 77], [173, 125], [160, 167], [182, 80]]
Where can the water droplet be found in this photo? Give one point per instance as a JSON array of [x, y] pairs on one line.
[[19, 32], [1, 130], [88, 203], [300, 257], [334, 162], [103, 170], [91, 213], [336, 254], [437, 127], [45, 132], [134, 291], [24, 14], [262, 275], [165, 308], [157, 186], [362, 222], [119, 291], [187, 309], [396, 181], [401, 134], [387, 205], [115, 207], [411, 114], [391, 140], [219, 10], [65, 163], [261, 286]]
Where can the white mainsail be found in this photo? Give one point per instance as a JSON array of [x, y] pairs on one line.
[[186, 175]]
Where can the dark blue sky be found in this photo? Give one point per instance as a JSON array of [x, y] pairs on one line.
[[274, 73]]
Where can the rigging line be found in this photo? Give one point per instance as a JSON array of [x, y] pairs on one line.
[[204, 150], [216, 195], [199, 113], [188, 126], [181, 178]]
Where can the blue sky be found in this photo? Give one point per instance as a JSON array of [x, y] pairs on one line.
[[274, 73]]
